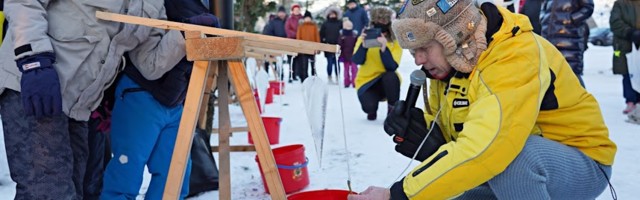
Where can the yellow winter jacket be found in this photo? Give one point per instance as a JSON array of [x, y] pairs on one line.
[[521, 86], [373, 68]]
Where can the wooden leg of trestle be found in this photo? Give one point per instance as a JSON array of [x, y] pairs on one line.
[[188, 121], [254, 121]]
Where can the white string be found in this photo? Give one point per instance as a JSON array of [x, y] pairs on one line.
[[344, 129], [423, 140]]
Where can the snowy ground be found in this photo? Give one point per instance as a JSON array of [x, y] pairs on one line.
[[372, 158]]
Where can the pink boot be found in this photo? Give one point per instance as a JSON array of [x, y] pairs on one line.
[[630, 107]]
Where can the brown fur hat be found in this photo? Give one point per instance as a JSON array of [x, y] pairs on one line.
[[456, 24], [381, 14]]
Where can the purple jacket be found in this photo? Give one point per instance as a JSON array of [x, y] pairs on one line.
[[347, 43]]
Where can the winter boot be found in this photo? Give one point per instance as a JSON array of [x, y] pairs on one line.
[[630, 107], [372, 116]]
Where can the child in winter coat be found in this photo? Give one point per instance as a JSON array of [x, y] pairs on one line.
[[307, 31], [347, 42]]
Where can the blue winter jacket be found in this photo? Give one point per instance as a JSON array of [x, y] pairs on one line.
[[358, 16], [275, 27]]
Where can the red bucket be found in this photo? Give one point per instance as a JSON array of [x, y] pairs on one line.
[[278, 87], [292, 166], [272, 126], [269, 98], [321, 195]]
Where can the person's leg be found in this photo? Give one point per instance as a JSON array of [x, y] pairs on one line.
[[160, 159], [292, 72], [330, 62], [78, 133], [304, 67], [391, 84], [137, 120], [354, 73], [546, 169], [95, 162], [482, 192], [370, 99], [311, 59], [266, 66], [630, 95], [346, 74], [38, 152]]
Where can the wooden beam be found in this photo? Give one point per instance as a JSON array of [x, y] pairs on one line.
[[224, 122], [270, 51], [258, 132], [278, 46], [299, 44], [239, 148], [233, 130], [184, 138], [215, 48], [257, 56]]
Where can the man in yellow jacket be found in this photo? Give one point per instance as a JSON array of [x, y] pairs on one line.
[[509, 117]]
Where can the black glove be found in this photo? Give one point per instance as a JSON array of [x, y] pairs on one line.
[[40, 85], [634, 36], [408, 131]]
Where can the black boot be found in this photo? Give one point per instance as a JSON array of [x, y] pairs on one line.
[[372, 116]]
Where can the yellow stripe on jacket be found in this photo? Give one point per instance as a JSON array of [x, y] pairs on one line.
[[1, 26], [505, 94], [373, 67]]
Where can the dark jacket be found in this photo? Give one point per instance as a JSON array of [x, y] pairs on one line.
[[563, 25], [275, 27], [622, 21], [358, 16], [330, 33], [171, 89], [531, 9], [291, 26], [347, 43]]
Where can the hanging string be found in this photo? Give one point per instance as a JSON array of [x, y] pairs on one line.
[[344, 129]]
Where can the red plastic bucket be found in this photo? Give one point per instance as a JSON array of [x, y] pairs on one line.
[[278, 87], [321, 195], [269, 98], [272, 126], [292, 166]]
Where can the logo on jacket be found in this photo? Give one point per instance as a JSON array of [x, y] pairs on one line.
[[457, 103]]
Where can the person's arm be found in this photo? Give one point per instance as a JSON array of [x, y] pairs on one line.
[[323, 36], [391, 57], [586, 10], [299, 32], [29, 26], [159, 53], [618, 26], [268, 29], [360, 53], [365, 18], [316, 34], [289, 29], [506, 101]]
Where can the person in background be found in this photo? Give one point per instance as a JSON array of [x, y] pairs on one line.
[[2, 22], [625, 25], [357, 15], [531, 8], [308, 31], [330, 34], [501, 123], [275, 27], [291, 28], [348, 38], [563, 24], [377, 79]]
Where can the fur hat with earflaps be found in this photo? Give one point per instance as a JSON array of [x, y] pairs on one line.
[[456, 24], [382, 14]]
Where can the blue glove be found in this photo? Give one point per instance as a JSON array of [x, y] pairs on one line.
[[40, 85], [205, 19]]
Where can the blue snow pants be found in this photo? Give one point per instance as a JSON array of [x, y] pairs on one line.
[[143, 132]]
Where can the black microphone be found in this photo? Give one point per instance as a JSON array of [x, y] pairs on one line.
[[417, 79]]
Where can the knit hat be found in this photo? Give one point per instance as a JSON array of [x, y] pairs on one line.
[[352, 1], [281, 9], [295, 6], [307, 14], [456, 24], [347, 25]]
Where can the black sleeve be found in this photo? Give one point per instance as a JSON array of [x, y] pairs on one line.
[[387, 60], [360, 56], [397, 191]]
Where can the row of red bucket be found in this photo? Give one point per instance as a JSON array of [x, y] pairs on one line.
[[290, 160]]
